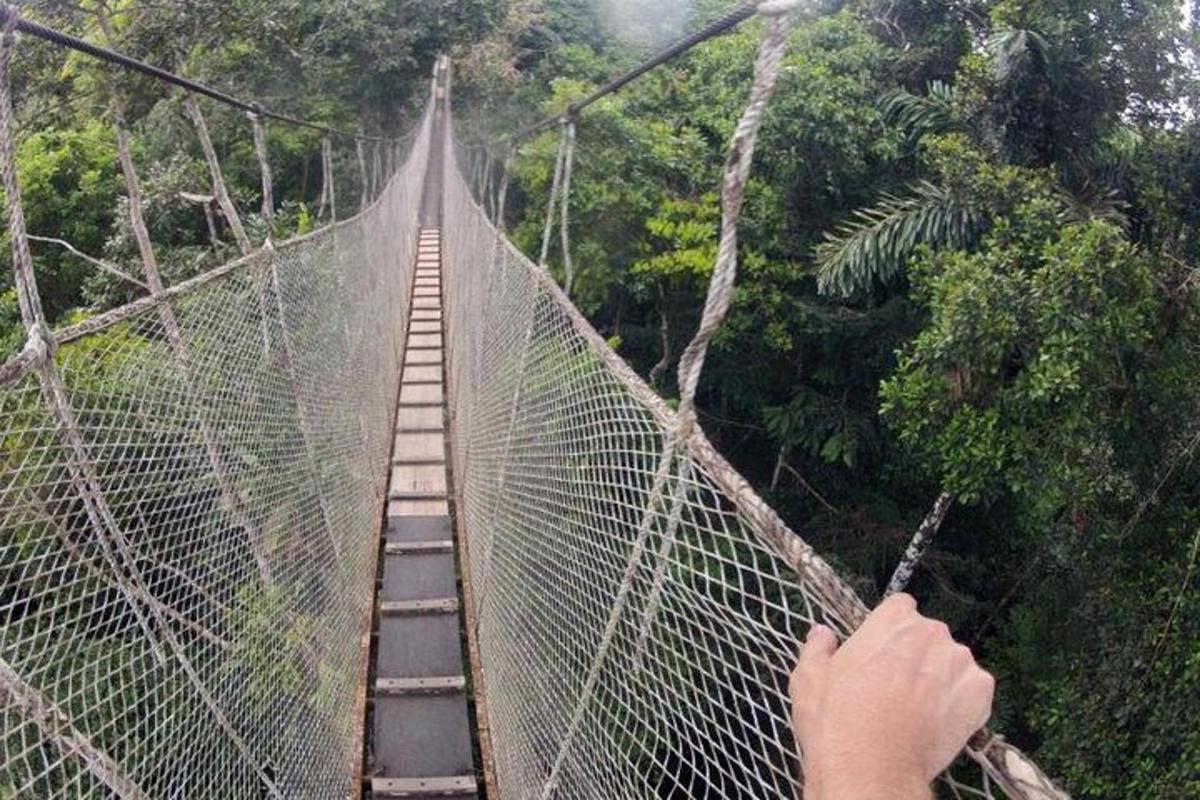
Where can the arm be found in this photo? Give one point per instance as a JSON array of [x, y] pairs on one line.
[[881, 716]]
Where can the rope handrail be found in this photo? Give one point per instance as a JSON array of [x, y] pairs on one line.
[[111, 56]]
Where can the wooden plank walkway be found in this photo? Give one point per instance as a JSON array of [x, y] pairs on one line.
[[422, 744]]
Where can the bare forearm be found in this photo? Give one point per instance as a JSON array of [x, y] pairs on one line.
[[860, 786], [878, 717]]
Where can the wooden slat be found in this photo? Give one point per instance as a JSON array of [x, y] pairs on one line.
[[425, 326], [425, 480], [423, 373], [425, 446], [424, 394], [423, 787], [416, 686], [443, 605], [429, 419], [418, 508], [422, 357], [408, 548]]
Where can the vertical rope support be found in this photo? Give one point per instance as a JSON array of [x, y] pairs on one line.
[[502, 478], [83, 475], [568, 164], [83, 479], [324, 201], [376, 169], [213, 450], [737, 171], [306, 434], [550, 204], [485, 186], [327, 165], [365, 195], [228, 209], [289, 354], [502, 194], [720, 289], [264, 167]]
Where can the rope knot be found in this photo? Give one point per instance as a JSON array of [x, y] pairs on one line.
[[40, 344]]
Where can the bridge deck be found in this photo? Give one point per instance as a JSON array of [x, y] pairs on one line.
[[422, 745]]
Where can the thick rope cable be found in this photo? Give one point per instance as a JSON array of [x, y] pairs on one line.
[[737, 171], [264, 168], [720, 288], [31, 28], [551, 203], [568, 164]]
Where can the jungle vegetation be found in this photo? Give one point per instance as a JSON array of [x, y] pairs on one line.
[[970, 265]]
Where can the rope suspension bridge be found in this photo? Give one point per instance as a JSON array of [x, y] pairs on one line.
[[249, 520]]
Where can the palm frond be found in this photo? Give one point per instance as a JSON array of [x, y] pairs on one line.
[[1094, 204], [873, 247], [919, 115], [1016, 49]]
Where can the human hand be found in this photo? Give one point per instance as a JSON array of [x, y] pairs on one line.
[[881, 716]]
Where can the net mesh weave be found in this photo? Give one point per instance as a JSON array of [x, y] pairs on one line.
[[630, 646], [206, 644]]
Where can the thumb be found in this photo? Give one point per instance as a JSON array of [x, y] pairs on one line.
[[807, 681], [818, 648], [815, 654]]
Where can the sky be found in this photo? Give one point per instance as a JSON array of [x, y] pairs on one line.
[[649, 23]]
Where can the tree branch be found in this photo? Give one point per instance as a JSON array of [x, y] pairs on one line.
[[920, 543]]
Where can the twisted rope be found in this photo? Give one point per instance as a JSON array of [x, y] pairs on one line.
[[568, 164], [737, 172], [264, 166]]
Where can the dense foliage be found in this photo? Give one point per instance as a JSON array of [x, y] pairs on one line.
[[969, 265]]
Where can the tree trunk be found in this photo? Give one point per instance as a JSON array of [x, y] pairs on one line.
[[664, 337]]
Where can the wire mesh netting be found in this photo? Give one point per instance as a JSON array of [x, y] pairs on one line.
[[188, 524], [638, 607]]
